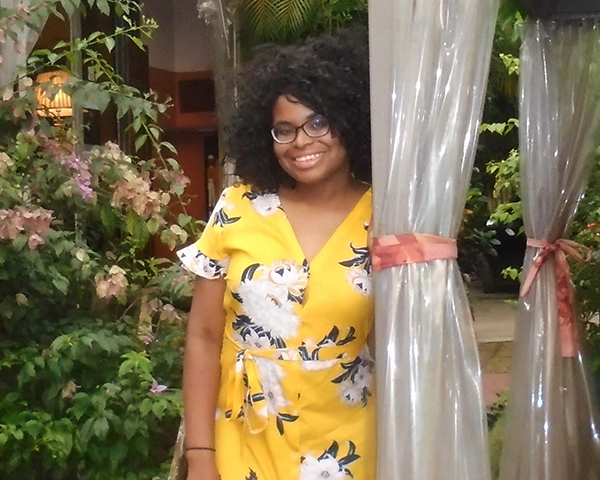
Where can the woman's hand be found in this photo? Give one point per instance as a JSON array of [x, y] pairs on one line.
[[202, 465]]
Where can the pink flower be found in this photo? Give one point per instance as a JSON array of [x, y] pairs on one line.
[[34, 241], [114, 286], [169, 314], [157, 388], [11, 224], [35, 221]]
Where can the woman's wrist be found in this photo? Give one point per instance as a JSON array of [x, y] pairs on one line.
[[210, 449]]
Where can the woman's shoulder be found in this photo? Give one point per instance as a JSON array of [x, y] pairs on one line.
[[242, 196]]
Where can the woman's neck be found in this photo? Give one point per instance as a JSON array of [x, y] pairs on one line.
[[321, 193]]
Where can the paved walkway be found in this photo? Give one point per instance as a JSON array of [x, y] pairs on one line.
[[495, 319]]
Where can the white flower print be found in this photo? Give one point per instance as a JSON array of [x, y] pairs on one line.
[[363, 376], [359, 270], [254, 341], [268, 296], [316, 365], [350, 393], [360, 280], [329, 465], [355, 381], [200, 264], [290, 275], [326, 468], [266, 304], [310, 351], [271, 375], [266, 204]]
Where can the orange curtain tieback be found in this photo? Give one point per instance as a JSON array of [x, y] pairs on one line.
[[564, 289], [395, 250]]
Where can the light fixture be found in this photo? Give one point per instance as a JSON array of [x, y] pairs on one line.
[[59, 105]]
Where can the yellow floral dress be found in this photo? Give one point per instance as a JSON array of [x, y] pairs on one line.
[[296, 397]]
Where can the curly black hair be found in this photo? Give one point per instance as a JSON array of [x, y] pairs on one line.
[[329, 75]]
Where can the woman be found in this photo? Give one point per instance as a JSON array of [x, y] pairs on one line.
[[282, 306]]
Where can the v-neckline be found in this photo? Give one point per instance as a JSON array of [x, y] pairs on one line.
[[357, 207]]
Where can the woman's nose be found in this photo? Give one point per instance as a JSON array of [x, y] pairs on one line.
[[302, 139]]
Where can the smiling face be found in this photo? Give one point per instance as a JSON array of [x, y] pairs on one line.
[[308, 160]]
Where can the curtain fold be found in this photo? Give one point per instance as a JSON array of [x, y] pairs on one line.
[[14, 53], [429, 67], [553, 430]]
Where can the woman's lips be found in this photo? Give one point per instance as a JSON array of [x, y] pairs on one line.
[[308, 160]]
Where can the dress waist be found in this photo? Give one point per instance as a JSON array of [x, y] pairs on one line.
[[245, 390]]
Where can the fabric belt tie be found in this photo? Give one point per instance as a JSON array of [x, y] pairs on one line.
[[564, 289], [395, 250], [245, 390]]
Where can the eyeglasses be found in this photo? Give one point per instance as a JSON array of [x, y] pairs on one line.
[[317, 126]]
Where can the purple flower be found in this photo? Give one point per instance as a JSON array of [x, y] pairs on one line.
[[81, 175], [157, 388]]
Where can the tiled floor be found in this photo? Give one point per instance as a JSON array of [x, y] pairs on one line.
[[495, 363], [494, 322]]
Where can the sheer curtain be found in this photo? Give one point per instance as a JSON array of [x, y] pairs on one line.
[[429, 66], [553, 431], [14, 53]]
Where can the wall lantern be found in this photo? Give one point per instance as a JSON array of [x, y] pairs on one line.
[[59, 105], [563, 9]]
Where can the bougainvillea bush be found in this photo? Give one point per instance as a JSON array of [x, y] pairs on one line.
[[91, 323]]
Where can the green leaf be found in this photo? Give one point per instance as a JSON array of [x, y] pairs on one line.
[[81, 402], [20, 242], [33, 428], [174, 164], [169, 146], [108, 217], [101, 428], [152, 226], [141, 445], [110, 43], [103, 6], [130, 427], [183, 219], [145, 407], [158, 408], [126, 367], [131, 221], [68, 6], [87, 431], [61, 284], [140, 141], [137, 41], [137, 124], [118, 451]]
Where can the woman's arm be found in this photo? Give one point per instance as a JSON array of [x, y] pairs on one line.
[[201, 375]]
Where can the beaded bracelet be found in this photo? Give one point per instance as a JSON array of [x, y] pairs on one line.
[[201, 448]]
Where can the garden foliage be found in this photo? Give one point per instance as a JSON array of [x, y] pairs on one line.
[[91, 324]]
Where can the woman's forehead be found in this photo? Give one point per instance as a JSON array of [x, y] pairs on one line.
[[288, 108]]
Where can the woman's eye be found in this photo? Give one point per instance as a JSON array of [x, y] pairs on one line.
[[284, 131], [319, 122]]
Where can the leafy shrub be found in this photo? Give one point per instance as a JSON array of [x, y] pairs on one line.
[[91, 324]]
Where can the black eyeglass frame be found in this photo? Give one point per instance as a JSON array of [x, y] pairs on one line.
[[304, 130]]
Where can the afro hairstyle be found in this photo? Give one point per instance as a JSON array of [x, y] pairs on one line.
[[329, 75]]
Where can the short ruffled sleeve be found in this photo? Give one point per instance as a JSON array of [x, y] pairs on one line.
[[208, 257]]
